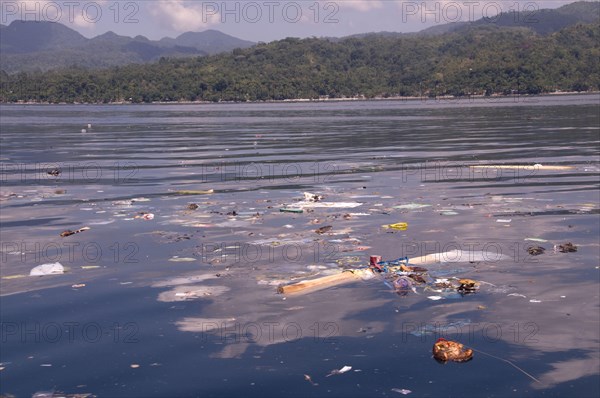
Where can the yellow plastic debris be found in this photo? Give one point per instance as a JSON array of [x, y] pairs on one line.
[[401, 226]]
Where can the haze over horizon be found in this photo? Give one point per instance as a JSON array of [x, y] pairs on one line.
[[260, 20]]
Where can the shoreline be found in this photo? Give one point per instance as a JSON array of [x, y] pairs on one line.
[[422, 99]]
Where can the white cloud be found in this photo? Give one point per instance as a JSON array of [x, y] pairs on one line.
[[185, 16], [361, 5]]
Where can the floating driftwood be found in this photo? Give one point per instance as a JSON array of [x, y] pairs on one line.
[[324, 282]]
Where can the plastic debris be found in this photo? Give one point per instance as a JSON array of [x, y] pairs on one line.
[[517, 295], [78, 285], [192, 206], [447, 350], [182, 259], [435, 298], [339, 371], [401, 226], [291, 210], [566, 248], [504, 220], [309, 379], [145, 216], [535, 301], [311, 197], [134, 366], [449, 213], [402, 391], [14, 276], [48, 269], [68, 232], [411, 206], [536, 240], [54, 172], [535, 250]]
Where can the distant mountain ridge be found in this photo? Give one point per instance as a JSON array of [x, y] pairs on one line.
[[42, 46], [543, 21], [30, 46]]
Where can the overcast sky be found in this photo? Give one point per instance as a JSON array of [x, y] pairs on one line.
[[261, 20]]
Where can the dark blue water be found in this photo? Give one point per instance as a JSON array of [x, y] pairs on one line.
[[130, 318]]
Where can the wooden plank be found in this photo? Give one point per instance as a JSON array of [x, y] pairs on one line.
[[323, 282]]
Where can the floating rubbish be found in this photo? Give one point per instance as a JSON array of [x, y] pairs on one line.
[[402, 285], [68, 232], [47, 269], [182, 259], [14, 276], [145, 216], [517, 295], [401, 226], [411, 206], [193, 192], [449, 213], [467, 286], [309, 379], [339, 371], [536, 166], [447, 350], [535, 250], [134, 366], [90, 266], [311, 197], [535, 301], [566, 248], [78, 286], [324, 229], [291, 210], [402, 391], [192, 206], [54, 172], [504, 220], [435, 298], [536, 240]]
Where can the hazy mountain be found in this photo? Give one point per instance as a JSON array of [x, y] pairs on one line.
[[541, 21], [31, 46], [544, 21], [211, 41]]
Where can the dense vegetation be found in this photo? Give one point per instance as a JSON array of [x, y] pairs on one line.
[[478, 60]]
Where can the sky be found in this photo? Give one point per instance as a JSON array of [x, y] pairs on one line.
[[260, 20]]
